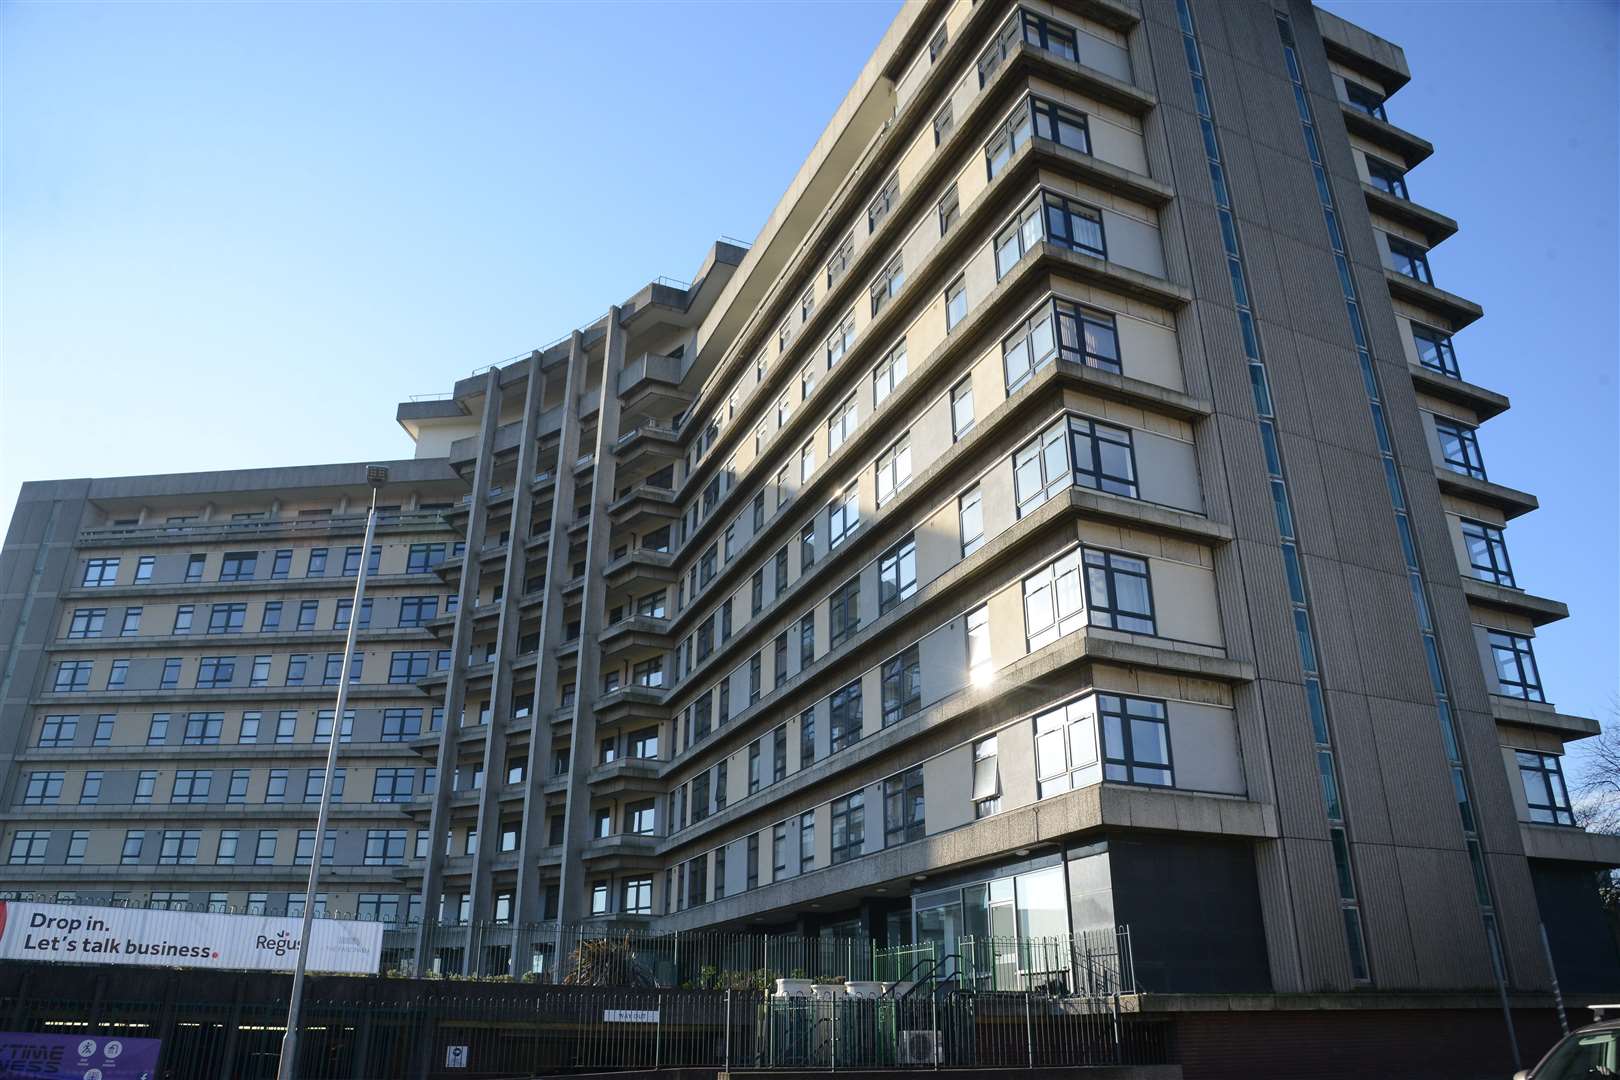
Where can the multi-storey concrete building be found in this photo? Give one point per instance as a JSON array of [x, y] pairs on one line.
[[1068, 512]]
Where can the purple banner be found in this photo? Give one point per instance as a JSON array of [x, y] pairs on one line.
[[81, 1057]]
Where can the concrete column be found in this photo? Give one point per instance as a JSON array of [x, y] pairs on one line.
[[529, 901], [507, 634], [577, 823], [455, 692]]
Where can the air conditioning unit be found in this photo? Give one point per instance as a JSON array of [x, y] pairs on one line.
[[919, 1048]]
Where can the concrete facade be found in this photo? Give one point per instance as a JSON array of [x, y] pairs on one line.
[[1022, 500]]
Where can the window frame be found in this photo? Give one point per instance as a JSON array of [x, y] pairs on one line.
[[1126, 761], [844, 612], [1470, 460], [1442, 347], [848, 833], [904, 807], [897, 573], [1558, 810], [1062, 318], [900, 685], [1108, 566], [845, 722], [1492, 540], [892, 471], [1409, 259], [1519, 650]]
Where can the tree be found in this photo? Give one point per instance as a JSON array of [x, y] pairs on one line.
[[1596, 793], [608, 962], [1595, 797]]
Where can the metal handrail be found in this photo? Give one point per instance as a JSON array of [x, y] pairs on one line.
[[935, 965], [260, 525]]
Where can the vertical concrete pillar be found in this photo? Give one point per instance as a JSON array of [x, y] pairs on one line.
[[455, 692], [592, 606], [507, 634], [529, 901]]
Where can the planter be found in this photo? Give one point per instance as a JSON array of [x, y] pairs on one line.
[[863, 988], [793, 987]]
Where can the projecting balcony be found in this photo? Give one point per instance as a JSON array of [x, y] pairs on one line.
[[651, 383], [627, 850], [629, 704], [640, 566], [1483, 403], [635, 631], [644, 507], [1456, 310], [1537, 714], [495, 497], [1510, 501], [646, 447], [1434, 225], [1409, 148], [626, 776], [1565, 844], [1538, 609]]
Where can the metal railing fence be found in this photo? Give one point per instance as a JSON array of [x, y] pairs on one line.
[[905, 962], [557, 1029], [428, 520], [1093, 963]]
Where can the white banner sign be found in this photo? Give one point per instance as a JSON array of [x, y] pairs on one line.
[[108, 935]]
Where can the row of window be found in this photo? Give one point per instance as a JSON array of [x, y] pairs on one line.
[[102, 572], [1134, 748], [231, 618], [58, 730], [220, 672], [44, 787], [1086, 586], [1057, 219], [182, 847], [369, 907], [1074, 450], [1033, 116]]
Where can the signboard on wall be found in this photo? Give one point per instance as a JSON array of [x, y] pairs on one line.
[[67, 933], [26, 1056], [630, 1016]]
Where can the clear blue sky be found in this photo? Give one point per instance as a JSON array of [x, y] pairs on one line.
[[236, 234]]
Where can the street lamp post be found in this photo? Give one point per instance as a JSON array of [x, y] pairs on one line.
[[376, 476]]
